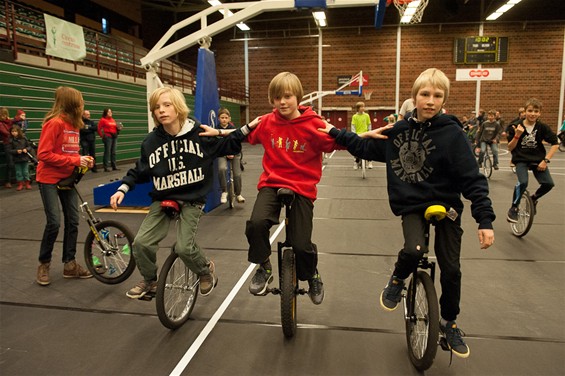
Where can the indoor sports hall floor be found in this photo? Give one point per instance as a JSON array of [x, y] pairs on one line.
[[512, 304]]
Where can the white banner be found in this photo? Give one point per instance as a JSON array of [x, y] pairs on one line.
[[479, 74], [64, 39]]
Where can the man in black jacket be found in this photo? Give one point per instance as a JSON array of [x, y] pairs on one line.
[[88, 137]]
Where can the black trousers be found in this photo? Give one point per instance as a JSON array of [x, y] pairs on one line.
[[89, 148], [265, 214], [447, 247]]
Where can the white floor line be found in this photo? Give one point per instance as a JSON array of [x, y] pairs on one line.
[[185, 360]]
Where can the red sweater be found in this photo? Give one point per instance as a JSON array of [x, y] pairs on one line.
[[107, 127], [58, 151], [293, 151]]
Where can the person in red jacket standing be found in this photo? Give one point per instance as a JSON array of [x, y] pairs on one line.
[[108, 130], [58, 155]]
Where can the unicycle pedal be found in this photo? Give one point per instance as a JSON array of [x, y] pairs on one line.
[[147, 297], [443, 344]]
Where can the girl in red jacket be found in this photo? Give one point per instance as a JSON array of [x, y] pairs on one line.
[[58, 155], [108, 130]]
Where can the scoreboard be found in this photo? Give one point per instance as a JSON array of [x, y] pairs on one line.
[[480, 49]]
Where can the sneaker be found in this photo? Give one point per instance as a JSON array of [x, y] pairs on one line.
[[495, 167], [355, 166], [512, 215], [370, 165], [535, 201], [43, 274], [142, 288], [73, 269], [260, 281], [224, 197], [316, 291], [208, 281], [240, 198], [454, 338], [392, 293]]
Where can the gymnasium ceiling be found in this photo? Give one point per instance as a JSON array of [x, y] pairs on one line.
[[437, 12]]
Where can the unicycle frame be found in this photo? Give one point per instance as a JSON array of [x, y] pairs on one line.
[[526, 214], [230, 183], [422, 327], [288, 282]]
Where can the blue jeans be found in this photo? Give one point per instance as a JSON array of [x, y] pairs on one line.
[[110, 144], [493, 148], [543, 178], [22, 171], [51, 196], [236, 173]]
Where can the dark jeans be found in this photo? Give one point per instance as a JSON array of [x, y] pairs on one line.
[[266, 212], [447, 242], [9, 164], [51, 196], [110, 144], [543, 178], [89, 148]]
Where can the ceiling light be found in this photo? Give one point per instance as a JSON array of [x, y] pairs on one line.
[[320, 18], [243, 27], [500, 11]]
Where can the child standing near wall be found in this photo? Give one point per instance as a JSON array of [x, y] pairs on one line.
[[18, 147], [224, 117], [360, 123]]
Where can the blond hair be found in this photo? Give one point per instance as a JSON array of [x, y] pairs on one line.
[[433, 77], [177, 100], [285, 82], [224, 110], [358, 105]]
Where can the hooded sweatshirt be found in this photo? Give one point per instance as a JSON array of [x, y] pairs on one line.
[[293, 151], [181, 166], [427, 163]]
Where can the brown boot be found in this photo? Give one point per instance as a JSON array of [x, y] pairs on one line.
[[20, 186], [43, 274], [28, 184], [73, 270]]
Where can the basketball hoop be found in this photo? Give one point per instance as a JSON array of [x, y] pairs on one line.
[[367, 94], [411, 11]]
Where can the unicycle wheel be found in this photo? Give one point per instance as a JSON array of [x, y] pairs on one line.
[[422, 327], [289, 285]]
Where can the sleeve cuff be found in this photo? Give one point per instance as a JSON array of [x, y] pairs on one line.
[[124, 188]]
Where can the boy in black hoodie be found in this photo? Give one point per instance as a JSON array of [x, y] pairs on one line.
[[429, 161], [179, 161]]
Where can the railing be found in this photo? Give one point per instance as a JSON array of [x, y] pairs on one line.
[[22, 30]]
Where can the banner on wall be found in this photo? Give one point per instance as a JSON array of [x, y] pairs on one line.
[[64, 39]]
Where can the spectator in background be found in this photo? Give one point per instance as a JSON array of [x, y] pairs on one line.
[[360, 123], [5, 127], [108, 130], [18, 148], [406, 108], [489, 135], [498, 117], [390, 119], [88, 137], [20, 120]]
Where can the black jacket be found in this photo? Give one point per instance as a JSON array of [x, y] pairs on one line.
[[88, 133], [16, 144], [181, 166], [427, 163]]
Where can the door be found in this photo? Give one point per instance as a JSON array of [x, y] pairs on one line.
[[336, 118]]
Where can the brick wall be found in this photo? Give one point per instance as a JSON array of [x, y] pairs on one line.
[[533, 70]]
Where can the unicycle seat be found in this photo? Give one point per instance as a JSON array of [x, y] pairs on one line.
[[286, 196], [435, 213]]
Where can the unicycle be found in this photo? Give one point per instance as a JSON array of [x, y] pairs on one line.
[[230, 183], [177, 290], [108, 244], [288, 282], [421, 309], [526, 213], [487, 163]]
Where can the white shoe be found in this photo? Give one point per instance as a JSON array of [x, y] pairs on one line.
[[355, 166], [240, 198], [370, 165], [224, 197]]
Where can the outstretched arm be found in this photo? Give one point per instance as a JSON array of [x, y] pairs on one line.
[[214, 132]]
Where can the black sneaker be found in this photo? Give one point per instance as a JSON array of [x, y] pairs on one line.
[[260, 281], [495, 167], [512, 215], [454, 337], [392, 293], [535, 201], [316, 291]]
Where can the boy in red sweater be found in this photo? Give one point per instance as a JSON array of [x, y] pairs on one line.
[[293, 160]]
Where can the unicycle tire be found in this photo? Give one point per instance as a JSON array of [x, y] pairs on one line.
[[364, 168], [487, 167], [525, 216], [177, 290], [422, 329], [289, 285], [110, 260]]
